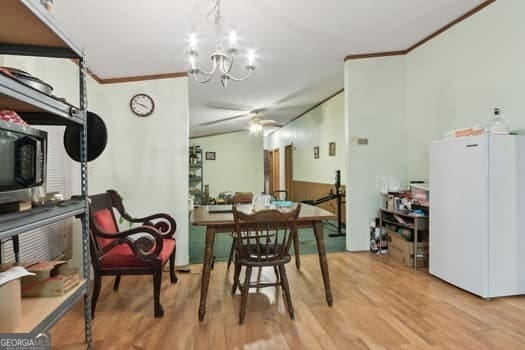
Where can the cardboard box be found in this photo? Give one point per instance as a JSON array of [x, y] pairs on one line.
[[53, 278], [10, 306], [403, 251]]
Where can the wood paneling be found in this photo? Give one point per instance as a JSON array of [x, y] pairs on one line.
[[313, 190], [378, 304]]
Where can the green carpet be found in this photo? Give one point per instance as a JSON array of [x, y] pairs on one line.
[[223, 243]]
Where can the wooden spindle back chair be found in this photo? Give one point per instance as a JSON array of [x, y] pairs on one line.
[[263, 239], [238, 198]]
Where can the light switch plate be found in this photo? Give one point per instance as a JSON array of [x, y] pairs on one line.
[[359, 140]]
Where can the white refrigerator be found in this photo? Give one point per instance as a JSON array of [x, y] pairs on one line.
[[477, 213]]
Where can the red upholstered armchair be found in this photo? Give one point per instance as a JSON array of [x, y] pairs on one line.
[[141, 250]]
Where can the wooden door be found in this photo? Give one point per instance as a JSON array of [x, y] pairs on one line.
[[276, 171], [268, 171], [288, 170]]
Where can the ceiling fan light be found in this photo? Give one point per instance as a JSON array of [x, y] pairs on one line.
[[256, 128]]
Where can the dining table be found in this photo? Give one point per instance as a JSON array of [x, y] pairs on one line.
[[222, 221]]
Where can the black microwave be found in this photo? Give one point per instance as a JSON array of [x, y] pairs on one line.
[[23, 159]]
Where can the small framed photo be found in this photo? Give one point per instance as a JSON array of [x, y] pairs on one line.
[[316, 152], [331, 149], [210, 155]]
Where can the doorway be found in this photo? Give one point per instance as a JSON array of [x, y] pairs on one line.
[[271, 171]]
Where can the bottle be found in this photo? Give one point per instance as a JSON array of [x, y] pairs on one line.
[[498, 125]]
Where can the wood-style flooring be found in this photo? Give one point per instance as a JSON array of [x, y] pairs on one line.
[[378, 304]]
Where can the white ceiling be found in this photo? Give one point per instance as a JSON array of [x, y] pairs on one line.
[[300, 45]]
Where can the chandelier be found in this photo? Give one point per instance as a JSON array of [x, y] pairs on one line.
[[222, 58]]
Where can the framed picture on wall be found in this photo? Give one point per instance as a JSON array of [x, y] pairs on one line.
[[210, 155], [316, 152], [331, 149]]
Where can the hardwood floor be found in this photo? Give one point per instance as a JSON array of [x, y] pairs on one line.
[[377, 305]]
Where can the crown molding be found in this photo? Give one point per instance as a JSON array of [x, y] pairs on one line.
[[308, 110], [94, 76], [376, 54], [142, 78], [133, 78], [451, 24], [425, 39]]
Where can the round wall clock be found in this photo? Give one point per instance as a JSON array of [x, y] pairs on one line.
[[142, 105]]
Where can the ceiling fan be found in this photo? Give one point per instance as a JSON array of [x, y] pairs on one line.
[[256, 124]]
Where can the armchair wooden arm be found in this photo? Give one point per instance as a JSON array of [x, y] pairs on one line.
[[163, 222], [146, 247]]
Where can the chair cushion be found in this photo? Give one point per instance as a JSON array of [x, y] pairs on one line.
[[122, 256], [104, 219]]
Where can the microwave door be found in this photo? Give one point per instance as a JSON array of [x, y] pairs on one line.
[[26, 160], [7, 161]]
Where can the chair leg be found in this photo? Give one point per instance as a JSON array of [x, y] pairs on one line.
[[277, 278], [245, 290], [173, 276], [232, 249], [96, 292], [236, 273], [296, 250], [157, 278], [116, 284], [286, 290]]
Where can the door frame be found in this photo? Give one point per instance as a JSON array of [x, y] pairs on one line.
[[288, 170]]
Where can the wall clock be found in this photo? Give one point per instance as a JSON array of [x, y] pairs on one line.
[[142, 105]]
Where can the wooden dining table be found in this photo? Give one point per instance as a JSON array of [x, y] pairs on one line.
[[223, 222]]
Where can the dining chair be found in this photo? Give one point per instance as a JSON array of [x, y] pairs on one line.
[[263, 239], [238, 198]]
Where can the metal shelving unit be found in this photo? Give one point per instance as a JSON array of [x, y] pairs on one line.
[[196, 175], [17, 96], [27, 29], [19, 222]]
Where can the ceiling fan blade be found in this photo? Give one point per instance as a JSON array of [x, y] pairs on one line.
[[228, 106], [269, 122], [213, 122]]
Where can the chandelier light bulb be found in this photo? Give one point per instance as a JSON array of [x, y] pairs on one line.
[[251, 58], [192, 61], [193, 41], [233, 39]]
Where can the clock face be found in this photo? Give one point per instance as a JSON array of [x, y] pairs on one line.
[[142, 105]]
